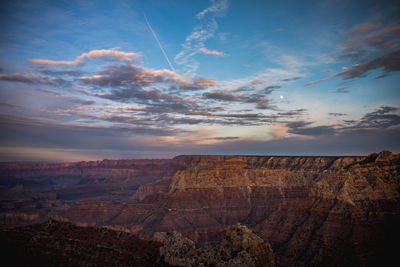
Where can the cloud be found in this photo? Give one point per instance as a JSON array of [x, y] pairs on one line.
[[291, 79], [200, 34], [336, 114], [219, 95], [74, 73], [318, 81], [362, 27], [212, 52], [227, 138], [33, 79], [67, 99], [130, 76], [258, 81], [216, 9], [382, 118], [388, 63], [341, 90], [223, 35], [260, 100], [9, 105], [205, 82], [94, 54], [370, 47], [304, 128], [278, 131], [271, 88], [296, 112], [385, 37], [198, 84]]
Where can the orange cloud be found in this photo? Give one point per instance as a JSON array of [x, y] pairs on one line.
[[278, 131], [205, 82], [113, 53]]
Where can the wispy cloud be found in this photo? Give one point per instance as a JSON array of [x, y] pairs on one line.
[[388, 63], [200, 34], [9, 105], [94, 54], [212, 52], [370, 47], [223, 36]]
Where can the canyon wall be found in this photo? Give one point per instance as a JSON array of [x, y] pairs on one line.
[[313, 210], [317, 211], [30, 192]]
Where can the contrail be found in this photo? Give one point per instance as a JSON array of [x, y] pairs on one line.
[[158, 42]]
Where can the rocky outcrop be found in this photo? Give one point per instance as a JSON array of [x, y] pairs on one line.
[[60, 243], [151, 189], [375, 178], [240, 247]]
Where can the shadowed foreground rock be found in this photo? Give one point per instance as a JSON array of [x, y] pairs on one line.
[[240, 247], [61, 243]]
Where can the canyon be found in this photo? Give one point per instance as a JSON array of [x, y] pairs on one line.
[[312, 210]]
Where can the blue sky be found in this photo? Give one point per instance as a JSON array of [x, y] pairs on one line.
[[82, 80]]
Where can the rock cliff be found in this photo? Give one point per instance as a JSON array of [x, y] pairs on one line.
[[313, 210]]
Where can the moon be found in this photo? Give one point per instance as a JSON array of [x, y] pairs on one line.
[[281, 97]]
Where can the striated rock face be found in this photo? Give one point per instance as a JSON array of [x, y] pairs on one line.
[[30, 191], [60, 243], [350, 217], [21, 206], [312, 210], [240, 247], [106, 179]]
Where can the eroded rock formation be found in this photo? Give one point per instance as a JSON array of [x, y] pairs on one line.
[[240, 247]]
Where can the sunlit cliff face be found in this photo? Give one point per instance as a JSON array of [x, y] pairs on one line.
[[156, 79]]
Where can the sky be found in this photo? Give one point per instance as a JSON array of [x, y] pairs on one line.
[[88, 80]]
